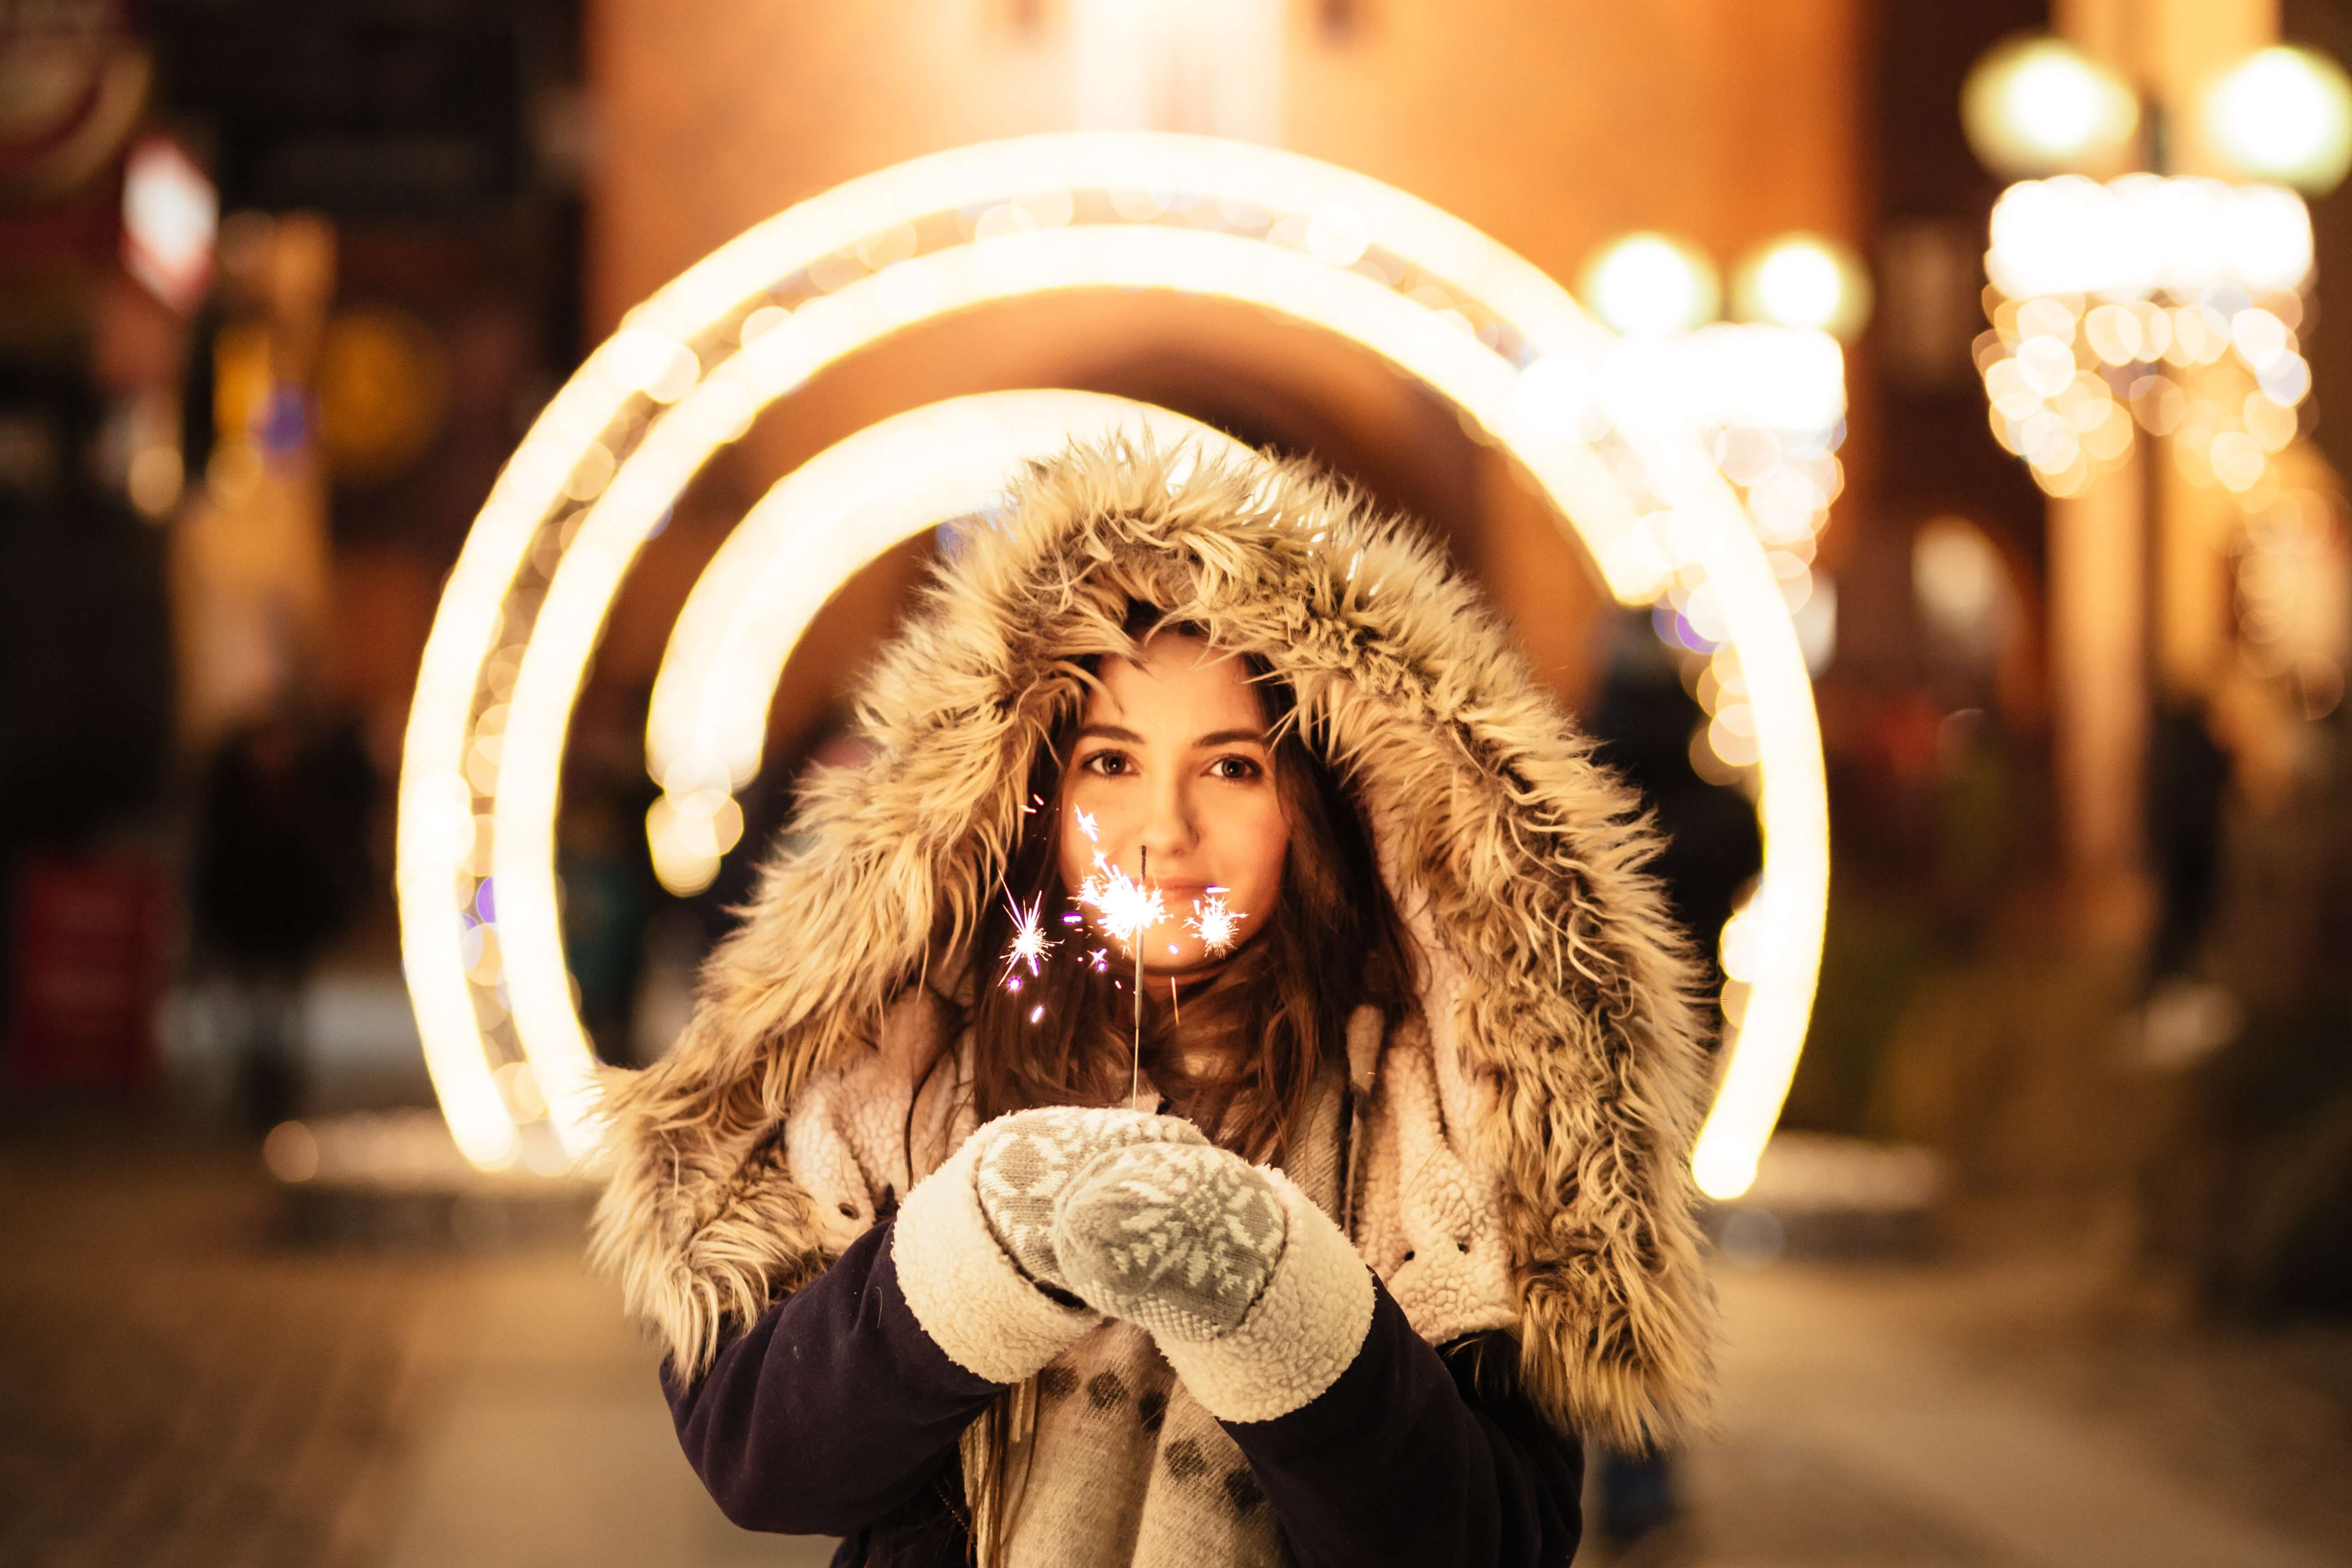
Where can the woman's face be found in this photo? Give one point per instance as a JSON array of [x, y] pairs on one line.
[[1172, 759]]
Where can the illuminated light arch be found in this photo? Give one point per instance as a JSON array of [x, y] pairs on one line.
[[810, 534], [693, 367]]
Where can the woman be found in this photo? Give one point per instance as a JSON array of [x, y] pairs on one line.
[[1320, 1250]]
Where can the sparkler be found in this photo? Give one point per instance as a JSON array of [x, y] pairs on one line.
[[1125, 908]]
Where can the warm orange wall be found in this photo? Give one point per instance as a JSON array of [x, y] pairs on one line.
[[713, 115], [1554, 125], [1549, 124]]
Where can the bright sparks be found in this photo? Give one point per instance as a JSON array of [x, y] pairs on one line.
[[1124, 908], [1030, 945], [1214, 922]]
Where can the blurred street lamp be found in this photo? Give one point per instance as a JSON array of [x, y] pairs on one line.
[[2159, 304], [2284, 114], [2120, 294], [1764, 394], [2038, 105], [1803, 280], [1650, 285]]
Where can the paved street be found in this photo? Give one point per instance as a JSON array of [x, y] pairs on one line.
[[182, 1386], [1958, 1420]]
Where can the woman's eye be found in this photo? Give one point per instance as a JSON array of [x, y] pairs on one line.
[[1234, 769], [1110, 764]]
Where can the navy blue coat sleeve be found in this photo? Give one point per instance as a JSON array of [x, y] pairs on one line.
[[830, 1412], [1412, 1458]]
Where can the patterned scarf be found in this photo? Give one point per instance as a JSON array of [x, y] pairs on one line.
[[1110, 1460]]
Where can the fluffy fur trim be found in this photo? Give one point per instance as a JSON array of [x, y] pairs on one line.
[[1557, 991], [1301, 1333]]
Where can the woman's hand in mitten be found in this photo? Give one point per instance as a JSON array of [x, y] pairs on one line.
[[1178, 1237], [973, 1242], [1029, 1159]]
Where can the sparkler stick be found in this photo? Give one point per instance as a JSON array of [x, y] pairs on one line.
[[1125, 908], [1135, 1063]]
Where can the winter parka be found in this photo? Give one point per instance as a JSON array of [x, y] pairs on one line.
[[1508, 1166]]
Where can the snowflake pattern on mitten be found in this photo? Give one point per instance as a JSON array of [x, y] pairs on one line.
[[1028, 1160], [1180, 1239]]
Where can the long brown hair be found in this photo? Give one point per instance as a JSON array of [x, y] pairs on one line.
[[1331, 943]]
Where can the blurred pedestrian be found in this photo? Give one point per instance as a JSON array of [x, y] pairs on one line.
[[2188, 776], [1646, 723], [281, 867]]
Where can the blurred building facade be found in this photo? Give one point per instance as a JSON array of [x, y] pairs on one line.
[[277, 286], [1551, 130]]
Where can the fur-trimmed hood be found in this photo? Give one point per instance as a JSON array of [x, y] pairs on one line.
[[1555, 977]]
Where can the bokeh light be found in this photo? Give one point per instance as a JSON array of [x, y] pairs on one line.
[[2284, 113], [1651, 284], [2036, 105], [1803, 280], [1957, 579], [2142, 234], [170, 217], [2294, 590], [2165, 305]]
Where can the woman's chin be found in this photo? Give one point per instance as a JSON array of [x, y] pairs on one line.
[[1185, 958], [1190, 961]]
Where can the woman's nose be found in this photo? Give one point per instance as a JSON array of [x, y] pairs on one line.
[[1169, 829]]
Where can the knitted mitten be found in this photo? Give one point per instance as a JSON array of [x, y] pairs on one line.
[[1179, 1238], [1027, 1160]]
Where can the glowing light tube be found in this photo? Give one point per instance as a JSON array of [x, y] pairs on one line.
[[1296, 233], [819, 525]]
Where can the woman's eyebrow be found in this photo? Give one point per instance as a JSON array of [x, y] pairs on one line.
[[1227, 737], [1109, 733]]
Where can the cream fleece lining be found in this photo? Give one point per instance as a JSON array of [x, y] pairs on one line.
[[972, 1299]]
